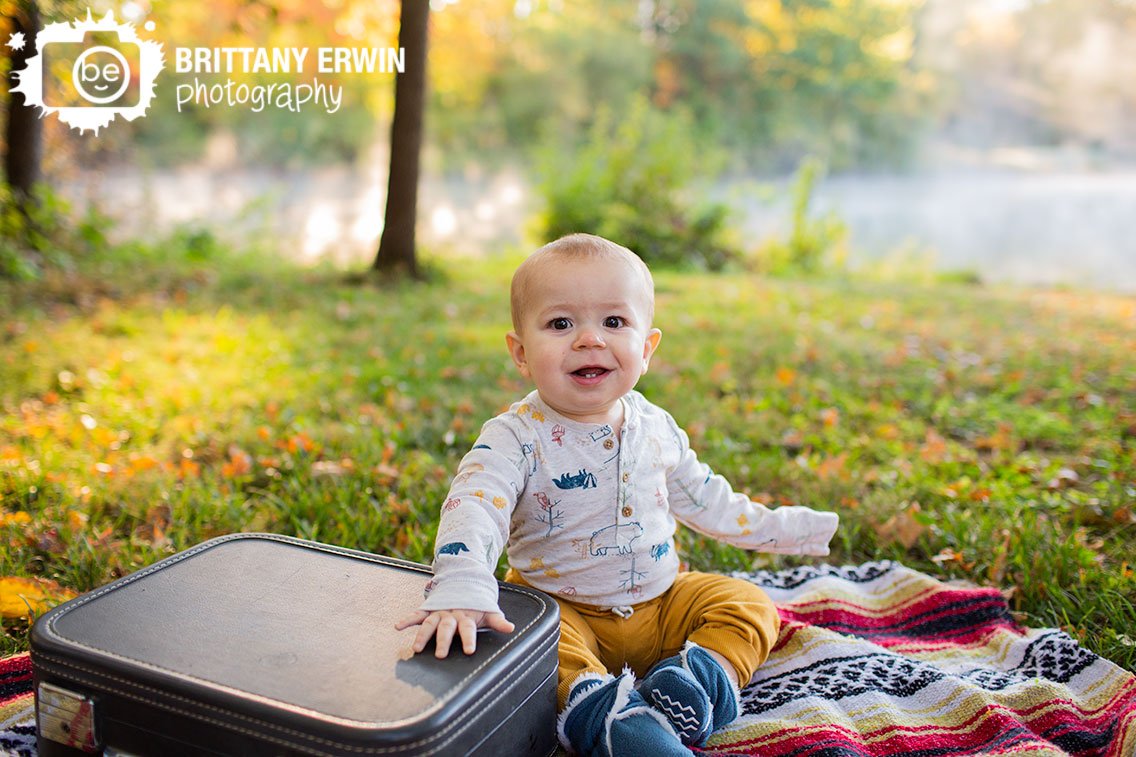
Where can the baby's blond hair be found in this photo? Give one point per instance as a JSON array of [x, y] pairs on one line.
[[575, 247]]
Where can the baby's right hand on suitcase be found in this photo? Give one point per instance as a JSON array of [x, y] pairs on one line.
[[444, 623]]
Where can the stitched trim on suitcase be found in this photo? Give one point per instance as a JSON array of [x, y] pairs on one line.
[[552, 675], [99, 677], [341, 551]]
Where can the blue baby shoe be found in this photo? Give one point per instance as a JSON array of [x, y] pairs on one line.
[[607, 717], [694, 693]]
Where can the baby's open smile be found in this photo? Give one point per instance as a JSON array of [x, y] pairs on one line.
[[591, 374]]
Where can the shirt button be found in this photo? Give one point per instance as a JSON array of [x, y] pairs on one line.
[[608, 443], [626, 477], [627, 511]]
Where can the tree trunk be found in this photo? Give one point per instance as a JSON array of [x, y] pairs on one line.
[[24, 132], [396, 247]]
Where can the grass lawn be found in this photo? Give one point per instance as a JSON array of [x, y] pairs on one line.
[[978, 433]]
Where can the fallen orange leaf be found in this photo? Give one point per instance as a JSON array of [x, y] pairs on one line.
[[903, 527], [834, 467], [1002, 440], [17, 518], [300, 442], [934, 449], [76, 520], [25, 597], [142, 463], [386, 472], [239, 464], [187, 468]]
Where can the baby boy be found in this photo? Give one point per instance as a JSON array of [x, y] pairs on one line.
[[582, 482]]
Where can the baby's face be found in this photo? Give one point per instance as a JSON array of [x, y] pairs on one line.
[[584, 337]]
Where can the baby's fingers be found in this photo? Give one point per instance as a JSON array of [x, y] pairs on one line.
[[467, 627], [446, 630], [412, 619], [498, 622], [425, 632]]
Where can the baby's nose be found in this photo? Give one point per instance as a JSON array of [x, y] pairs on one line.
[[589, 338]]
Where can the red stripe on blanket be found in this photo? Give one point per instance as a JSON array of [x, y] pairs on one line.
[[15, 677], [962, 617], [992, 730], [931, 599], [932, 606], [1062, 716]]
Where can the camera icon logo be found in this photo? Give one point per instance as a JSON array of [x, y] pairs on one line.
[[90, 72], [97, 72]]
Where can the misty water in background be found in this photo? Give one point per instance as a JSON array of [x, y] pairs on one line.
[[1075, 228]]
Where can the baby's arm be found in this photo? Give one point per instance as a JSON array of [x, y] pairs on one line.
[[706, 502], [444, 623], [472, 530]]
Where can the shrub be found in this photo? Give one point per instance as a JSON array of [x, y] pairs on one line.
[[814, 243], [42, 232], [629, 181]]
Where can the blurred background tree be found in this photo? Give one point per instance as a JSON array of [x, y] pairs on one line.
[[397, 253], [769, 81], [23, 135]]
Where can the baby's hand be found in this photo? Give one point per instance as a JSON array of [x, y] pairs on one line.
[[445, 622]]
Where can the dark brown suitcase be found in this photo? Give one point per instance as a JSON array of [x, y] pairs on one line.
[[257, 644]]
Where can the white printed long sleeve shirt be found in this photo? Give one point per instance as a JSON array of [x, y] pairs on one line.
[[590, 515]]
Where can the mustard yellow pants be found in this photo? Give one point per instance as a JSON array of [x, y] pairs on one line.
[[727, 615]]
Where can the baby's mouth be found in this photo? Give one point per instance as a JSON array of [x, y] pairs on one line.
[[590, 371]]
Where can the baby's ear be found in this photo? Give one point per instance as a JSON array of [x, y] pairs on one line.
[[650, 344], [517, 352]]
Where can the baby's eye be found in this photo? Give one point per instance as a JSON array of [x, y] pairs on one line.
[[560, 324], [613, 322]]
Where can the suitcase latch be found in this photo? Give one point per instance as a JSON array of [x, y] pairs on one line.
[[67, 717]]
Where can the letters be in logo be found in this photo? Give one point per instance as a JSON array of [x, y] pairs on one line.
[[88, 72]]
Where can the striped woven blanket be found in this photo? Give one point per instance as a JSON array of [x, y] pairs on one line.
[[883, 660], [876, 659], [17, 718]]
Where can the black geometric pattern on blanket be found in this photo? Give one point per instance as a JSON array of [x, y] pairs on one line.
[[18, 741], [1055, 657], [791, 578]]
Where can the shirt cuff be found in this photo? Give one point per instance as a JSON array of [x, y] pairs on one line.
[[463, 594], [825, 524]]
